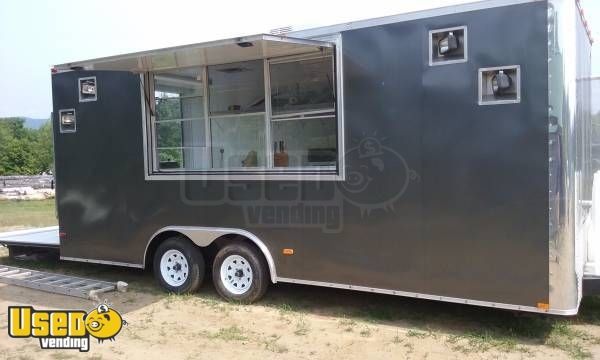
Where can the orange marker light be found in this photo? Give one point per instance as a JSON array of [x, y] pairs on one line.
[[543, 306], [288, 251]]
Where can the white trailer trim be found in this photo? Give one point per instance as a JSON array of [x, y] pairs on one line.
[[430, 297], [103, 262]]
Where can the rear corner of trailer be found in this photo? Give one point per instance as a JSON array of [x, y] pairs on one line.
[[574, 189], [589, 88]]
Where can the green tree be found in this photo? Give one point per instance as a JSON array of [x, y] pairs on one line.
[[44, 148], [24, 151]]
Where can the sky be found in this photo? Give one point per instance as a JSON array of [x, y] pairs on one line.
[[36, 34]]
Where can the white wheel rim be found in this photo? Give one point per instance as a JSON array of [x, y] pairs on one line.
[[236, 274], [174, 267]]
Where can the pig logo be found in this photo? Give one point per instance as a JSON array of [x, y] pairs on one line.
[[376, 176]]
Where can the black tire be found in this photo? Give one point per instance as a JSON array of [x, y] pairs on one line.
[[195, 265], [256, 262]]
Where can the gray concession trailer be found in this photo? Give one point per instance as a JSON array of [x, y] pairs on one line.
[[441, 154]]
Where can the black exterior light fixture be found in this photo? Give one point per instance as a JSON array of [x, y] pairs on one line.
[[88, 90], [501, 83], [68, 121], [448, 44], [67, 118], [245, 44]]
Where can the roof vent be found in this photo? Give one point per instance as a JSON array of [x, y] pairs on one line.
[[281, 31]]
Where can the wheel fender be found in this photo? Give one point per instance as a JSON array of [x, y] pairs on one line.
[[204, 236]]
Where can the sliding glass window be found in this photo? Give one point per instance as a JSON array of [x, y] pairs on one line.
[[237, 115], [180, 125], [303, 116]]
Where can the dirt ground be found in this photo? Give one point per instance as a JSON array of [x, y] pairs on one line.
[[299, 322]]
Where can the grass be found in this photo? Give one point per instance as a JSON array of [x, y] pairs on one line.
[[232, 333], [513, 333], [365, 332], [570, 340], [347, 324], [482, 341], [417, 334], [272, 345], [285, 309], [16, 214], [472, 330], [302, 327]]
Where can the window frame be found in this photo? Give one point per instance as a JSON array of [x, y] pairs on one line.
[[151, 101], [300, 115], [268, 172], [480, 87], [80, 82], [465, 57]]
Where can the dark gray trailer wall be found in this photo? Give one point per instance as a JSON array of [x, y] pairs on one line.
[[481, 197]]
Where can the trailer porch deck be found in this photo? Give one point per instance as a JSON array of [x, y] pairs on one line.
[[46, 237]]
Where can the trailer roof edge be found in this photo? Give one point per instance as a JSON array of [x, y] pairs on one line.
[[409, 16]]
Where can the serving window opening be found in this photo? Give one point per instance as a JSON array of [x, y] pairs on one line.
[[267, 116]]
